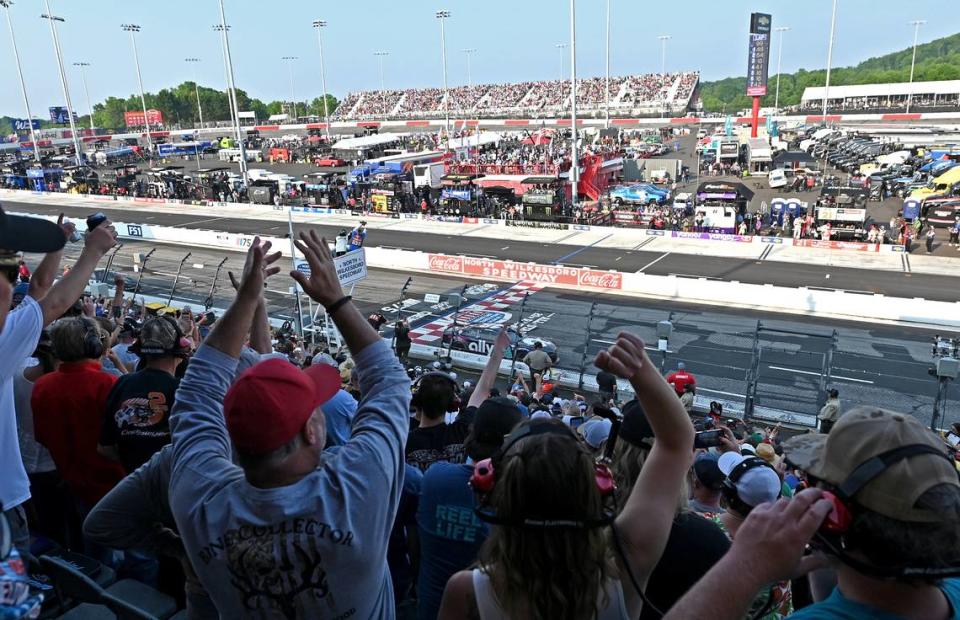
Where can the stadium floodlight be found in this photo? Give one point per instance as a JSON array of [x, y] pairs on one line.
[[606, 87], [574, 147], [469, 52], [293, 95], [663, 71], [776, 99], [232, 85], [133, 29], [53, 19], [913, 61], [380, 56], [196, 85], [83, 77], [23, 88], [320, 24], [826, 86], [443, 16]]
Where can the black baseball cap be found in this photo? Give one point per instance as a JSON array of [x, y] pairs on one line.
[[19, 233], [635, 428], [495, 419], [707, 471]]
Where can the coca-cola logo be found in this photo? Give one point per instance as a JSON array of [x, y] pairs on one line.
[[442, 262], [602, 279]]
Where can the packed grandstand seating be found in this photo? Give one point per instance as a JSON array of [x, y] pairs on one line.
[[884, 103], [627, 94]]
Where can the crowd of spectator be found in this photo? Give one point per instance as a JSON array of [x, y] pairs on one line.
[[534, 97], [226, 471]]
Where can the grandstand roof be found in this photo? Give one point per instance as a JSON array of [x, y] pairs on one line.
[[945, 87], [366, 142]]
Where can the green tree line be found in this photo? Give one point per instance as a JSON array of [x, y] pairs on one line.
[[937, 60], [179, 106]]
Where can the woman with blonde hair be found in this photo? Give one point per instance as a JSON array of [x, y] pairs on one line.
[[549, 554]]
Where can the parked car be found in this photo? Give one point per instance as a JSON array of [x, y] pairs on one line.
[[641, 193]]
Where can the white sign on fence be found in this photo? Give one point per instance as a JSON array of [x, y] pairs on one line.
[[351, 267]]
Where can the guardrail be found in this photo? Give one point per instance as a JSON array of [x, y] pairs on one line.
[[767, 297]]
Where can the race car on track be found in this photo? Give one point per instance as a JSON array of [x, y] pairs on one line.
[[641, 193], [480, 340]]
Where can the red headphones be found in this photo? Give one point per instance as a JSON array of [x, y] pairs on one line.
[[484, 478]]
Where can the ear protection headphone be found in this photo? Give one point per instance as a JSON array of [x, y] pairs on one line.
[[181, 349], [483, 481], [729, 486], [92, 344], [840, 519], [454, 404]]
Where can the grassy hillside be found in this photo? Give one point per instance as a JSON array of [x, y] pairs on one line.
[[936, 60]]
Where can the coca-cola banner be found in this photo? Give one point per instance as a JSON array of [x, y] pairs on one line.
[[531, 272], [856, 246]]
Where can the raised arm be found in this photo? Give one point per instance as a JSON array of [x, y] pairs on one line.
[[645, 521], [45, 273], [69, 288], [767, 548], [489, 376], [199, 433]]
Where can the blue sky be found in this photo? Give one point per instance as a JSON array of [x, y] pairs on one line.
[[515, 40]]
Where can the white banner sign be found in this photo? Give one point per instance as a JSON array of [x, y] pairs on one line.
[[351, 267]]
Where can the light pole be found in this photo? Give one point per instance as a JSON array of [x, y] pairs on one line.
[[23, 89], [133, 29], [86, 91], [443, 15], [231, 98], [606, 115], [469, 52], [826, 87], [561, 47], [63, 78], [233, 89], [196, 85], [776, 99], [320, 24], [293, 95], [663, 71], [574, 155], [913, 61], [380, 56]]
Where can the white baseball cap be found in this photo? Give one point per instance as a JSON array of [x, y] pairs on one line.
[[756, 486]]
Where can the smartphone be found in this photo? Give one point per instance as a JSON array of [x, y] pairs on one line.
[[707, 439], [953, 439], [95, 220]]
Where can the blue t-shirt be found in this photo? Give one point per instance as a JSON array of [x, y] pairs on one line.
[[450, 533], [838, 607], [357, 238]]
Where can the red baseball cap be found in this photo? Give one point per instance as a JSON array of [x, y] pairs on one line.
[[269, 403]]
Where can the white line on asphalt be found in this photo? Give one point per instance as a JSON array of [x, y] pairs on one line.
[[703, 389], [653, 262], [817, 374], [209, 219], [618, 258], [613, 342], [506, 247]]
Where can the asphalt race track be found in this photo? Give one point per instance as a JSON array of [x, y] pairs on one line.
[[874, 364], [933, 287]]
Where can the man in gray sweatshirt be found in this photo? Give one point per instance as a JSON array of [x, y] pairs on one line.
[[288, 534]]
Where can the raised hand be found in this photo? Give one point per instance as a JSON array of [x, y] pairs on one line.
[[322, 285], [101, 238], [772, 539], [68, 228], [258, 266], [625, 358]]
